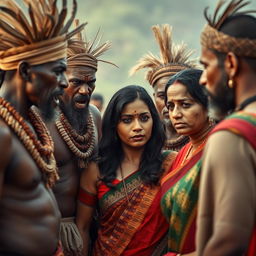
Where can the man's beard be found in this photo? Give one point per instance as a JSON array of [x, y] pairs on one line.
[[76, 117], [223, 102], [47, 110]]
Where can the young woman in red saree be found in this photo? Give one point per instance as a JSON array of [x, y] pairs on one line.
[[187, 104], [125, 187]]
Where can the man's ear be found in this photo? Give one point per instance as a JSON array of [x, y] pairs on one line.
[[231, 64], [24, 69]]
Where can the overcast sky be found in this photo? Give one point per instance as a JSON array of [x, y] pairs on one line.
[[113, 16]]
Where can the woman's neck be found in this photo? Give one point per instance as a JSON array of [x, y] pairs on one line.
[[199, 138], [132, 155], [130, 162]]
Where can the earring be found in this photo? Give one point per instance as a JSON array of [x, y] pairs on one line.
[[230, 83]]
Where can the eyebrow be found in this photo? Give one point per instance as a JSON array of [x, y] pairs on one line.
[[180, 99], [143, 113], [82, 79], [74, 79]]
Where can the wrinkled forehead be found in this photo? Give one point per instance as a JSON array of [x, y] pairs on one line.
[[82, 73]]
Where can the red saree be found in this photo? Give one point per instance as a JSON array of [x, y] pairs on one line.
[[130, 224]]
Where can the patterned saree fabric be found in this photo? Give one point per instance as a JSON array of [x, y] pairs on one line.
[[131, 221], [179, 199]]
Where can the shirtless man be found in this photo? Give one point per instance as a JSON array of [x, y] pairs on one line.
[[33, 70], [75, 133]]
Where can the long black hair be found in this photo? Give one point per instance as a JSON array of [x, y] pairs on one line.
[[190, 79], [110, 150]]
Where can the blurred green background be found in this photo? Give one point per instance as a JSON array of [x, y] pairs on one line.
[[127, 24]]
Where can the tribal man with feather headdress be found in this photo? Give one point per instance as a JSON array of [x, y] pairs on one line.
[[227, 201], [173, 58], [75, 133], [33, 50]]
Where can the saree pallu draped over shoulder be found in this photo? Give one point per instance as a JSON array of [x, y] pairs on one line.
[[180, 189], [131, 221]]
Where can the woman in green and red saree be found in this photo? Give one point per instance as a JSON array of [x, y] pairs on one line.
[[188, 109], [126, 186]]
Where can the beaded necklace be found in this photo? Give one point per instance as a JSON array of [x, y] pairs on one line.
[[41, 148], [80, 145]]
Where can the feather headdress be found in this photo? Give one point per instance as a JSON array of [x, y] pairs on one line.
[[212, 38], [173, 57], [85, 53], [234, 7], [41, 37]]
